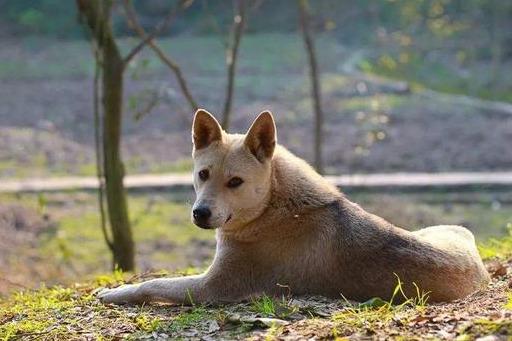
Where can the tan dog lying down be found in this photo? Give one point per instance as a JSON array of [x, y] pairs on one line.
[[283, 228]]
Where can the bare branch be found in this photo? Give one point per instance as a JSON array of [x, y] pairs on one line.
[[97, 144], [159, 29], [134, 23], [304, 20], [215, 24], [231, 59]]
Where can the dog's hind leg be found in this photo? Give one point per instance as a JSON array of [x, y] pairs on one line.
[[448, 237], [460, 243]]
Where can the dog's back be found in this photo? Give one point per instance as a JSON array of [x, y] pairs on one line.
[[311, 239]]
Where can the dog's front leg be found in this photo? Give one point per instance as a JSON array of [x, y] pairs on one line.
[[180, 290]]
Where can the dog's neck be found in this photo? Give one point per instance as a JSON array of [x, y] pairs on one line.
[[297, 186], [296, 189]]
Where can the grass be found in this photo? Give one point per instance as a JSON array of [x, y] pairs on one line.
[[260, 54], [264, 305], [74, 252], [497, 247], [439, 75], [166, 239], [73, 312], [75, 247], [187, 319], [376, 312]]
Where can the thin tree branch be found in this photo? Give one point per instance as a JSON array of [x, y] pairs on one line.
[[97, 144], [304, 20], [215, 24], [231, 59], [134, 23], [159, 29]]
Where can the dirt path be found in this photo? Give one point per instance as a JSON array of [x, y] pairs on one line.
[[395, 180]]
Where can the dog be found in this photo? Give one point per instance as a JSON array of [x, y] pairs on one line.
[[282, 228]]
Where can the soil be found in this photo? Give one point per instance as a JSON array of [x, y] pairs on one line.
[[20, 228], [46, 127]]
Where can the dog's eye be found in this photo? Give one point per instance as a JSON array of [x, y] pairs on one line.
[[204, 174], [235, 182]]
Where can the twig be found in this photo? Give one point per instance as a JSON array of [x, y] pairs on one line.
[[231, 59], [304, 21], [134, 23], [159, 29], [215, 24], [151, 103]]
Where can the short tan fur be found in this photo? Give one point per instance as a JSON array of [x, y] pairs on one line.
[[282, 228]]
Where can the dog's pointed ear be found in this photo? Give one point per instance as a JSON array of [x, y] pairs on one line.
[[205, 129], [261, 136]]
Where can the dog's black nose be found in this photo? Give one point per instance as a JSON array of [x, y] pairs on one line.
[[202, 214]]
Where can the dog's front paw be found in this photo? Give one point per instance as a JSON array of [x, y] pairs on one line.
[[121, 295]]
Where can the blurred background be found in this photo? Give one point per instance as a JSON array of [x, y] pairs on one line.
[[403, 86]]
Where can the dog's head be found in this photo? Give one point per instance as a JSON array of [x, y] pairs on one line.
[[232, 172]]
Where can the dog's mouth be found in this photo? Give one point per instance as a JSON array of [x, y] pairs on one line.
[[204, 226], [207, 225]]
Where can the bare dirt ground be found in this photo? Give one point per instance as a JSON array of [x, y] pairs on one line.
[[46, 112], [417, 135]]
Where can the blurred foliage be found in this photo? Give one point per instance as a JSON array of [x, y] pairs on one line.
[[352, 21], [39, 17], [433, 43]]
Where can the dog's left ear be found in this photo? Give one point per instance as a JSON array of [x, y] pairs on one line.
[[261, 136]]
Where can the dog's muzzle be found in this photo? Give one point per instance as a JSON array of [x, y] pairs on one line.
[[202, 215]]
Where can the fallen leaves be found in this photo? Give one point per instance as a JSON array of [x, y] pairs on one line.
[[483, 315]]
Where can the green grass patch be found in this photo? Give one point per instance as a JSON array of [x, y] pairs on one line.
[[437, 75], [71, 313], [264, 305], [497, 247], [265, 53], [75, 247], [188, 319], [481, 327]]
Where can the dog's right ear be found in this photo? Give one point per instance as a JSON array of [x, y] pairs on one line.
[[205, 129]]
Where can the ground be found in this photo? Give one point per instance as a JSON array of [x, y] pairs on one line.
[[75, 313], [55, 239], [46, 110]]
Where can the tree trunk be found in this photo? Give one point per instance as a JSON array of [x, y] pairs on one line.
[[315, 83], [113, 166], [97, 15]]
